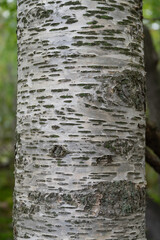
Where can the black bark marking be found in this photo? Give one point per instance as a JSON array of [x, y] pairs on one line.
[[59, 151], [104, 160]]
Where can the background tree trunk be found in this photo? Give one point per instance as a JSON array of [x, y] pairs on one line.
[[152, 79], [152, 131], [80, 121]]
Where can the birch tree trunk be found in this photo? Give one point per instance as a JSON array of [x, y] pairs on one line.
[[79, 170]]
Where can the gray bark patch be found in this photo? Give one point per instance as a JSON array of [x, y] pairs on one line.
[[129, 87], [113, 199], [120, 146]]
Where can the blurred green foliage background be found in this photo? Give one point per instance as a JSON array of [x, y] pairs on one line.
[[151, 14], [8, 78]]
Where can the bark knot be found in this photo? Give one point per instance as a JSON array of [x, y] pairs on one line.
[[104, 160], [59, 151]]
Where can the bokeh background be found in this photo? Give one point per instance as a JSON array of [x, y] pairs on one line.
[[8, 79]]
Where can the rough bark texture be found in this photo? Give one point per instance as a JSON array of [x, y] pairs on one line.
[[80, 121]]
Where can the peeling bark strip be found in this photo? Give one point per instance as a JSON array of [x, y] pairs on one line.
[[79, 170]]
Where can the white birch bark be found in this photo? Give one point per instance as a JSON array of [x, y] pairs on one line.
[[79, 170]]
